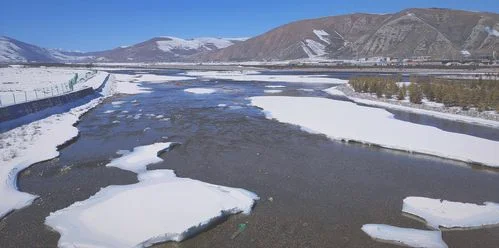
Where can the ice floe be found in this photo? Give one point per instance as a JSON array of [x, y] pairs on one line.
[[275, 86], [341, 120], [405, 236], [160, 207], [272, 91], [306, 90], [200, 90], [255, 76], [447, 214]]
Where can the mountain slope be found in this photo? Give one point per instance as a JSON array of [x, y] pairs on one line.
[[164, 49], [439, 33], [12, 50], [15, 51]]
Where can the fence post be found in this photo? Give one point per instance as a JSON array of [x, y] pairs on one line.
[[36, 94], [14, 96], [25, 96], [52, 89]]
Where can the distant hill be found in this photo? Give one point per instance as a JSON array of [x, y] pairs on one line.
[[439, 33], [164, 49], [15, 51]]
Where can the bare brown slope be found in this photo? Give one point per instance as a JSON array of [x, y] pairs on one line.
[[439, 33]]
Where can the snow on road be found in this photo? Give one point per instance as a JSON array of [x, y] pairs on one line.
[[201, 91], [161, 207], [441, 213], [255, 76], [405, 236], [341, 120]]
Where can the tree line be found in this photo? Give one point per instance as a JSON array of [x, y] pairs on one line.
[[478, 93]]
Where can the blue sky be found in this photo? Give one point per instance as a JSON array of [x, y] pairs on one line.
[[98, 24]]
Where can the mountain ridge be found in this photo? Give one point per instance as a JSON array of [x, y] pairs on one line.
[[434, 33]]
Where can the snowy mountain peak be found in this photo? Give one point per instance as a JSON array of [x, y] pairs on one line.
[[168, 43]]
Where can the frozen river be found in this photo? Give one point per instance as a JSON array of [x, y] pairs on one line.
[[314, 192]]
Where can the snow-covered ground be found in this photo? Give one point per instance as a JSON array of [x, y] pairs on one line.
[[341, 120], [151, 78], [255, 76], [38, 141], [405, 236], [447, 214], [20, 78], [161, 207], [127, 84], [19, 84], [200, 90], [26, 145], [438, 114]]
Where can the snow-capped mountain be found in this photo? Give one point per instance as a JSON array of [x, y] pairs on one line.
[[165, 49], [15, 51], [160, 49]]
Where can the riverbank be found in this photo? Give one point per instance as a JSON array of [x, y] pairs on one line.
[[487, 118]]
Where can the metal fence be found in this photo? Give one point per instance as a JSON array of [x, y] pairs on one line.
[[20, 96]]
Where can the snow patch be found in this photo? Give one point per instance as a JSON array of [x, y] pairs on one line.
[[341, 120], [160, 207], [492, 31], [441, 213], [257, 77], [140, 157], [465, 53], [275, 86], [200, 90], [334, 92], [405, 236], [32, 143], [206, 43], [306, 90], [322, 35], [437, 114], [151, 78], [317, 48], [272, 91]]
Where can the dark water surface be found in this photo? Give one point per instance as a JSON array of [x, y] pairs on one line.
[[314, 192]]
